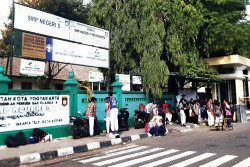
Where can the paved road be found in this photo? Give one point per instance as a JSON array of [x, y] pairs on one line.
[[196, 148]]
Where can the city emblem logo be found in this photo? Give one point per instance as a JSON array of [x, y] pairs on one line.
[[64, 100]]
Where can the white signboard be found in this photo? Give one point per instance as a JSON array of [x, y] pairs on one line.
[[136, 80], [19, 112], [73, 53], [201, 90], [95, 77], [36, 21], [89, 35], [125, 80], [32, 68]]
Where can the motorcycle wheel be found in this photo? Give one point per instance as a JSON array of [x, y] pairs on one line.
[[76, 133], [136, 125]]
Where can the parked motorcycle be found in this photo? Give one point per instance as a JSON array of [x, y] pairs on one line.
[[140, 119], [81, 126], [123, 119]]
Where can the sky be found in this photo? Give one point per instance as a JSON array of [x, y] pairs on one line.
[[4, 12], [5, 4]]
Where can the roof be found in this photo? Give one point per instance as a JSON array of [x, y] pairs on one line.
[[188, 77], [81, 72], [226, 60]]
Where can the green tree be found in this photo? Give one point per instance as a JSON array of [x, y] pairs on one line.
[[151, 38], [222, 32]]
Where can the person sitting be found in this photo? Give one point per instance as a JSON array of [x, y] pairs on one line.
[[168, 113], [218, 113], [149, 109], [156, 126], [227, 112]]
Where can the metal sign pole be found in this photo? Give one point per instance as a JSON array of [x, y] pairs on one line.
[[11, 42]]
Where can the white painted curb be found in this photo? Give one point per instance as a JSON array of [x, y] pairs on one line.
[[135, 137], [65, 151], [29, 158], [116, 141], [92, 146]]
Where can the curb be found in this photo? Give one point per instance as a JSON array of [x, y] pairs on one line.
[[37, 157]]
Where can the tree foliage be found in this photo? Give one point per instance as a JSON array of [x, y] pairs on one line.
[[151, 38], [222, 31]]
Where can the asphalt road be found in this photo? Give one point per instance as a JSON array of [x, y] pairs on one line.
[[196, 148]]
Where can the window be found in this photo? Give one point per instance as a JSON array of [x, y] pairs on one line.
[[26, 85], [224, 70]]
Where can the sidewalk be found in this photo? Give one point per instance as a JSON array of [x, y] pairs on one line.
[[66, 146]]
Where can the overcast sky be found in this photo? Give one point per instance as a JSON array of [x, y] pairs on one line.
[[5, 4], [4, 12]]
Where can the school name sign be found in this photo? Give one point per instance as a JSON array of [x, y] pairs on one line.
[[19, 112], [36, 21]]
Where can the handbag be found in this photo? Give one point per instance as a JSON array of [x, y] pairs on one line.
[[191, 114]]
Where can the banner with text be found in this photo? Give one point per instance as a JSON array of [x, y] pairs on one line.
[[136, 80], [74, 53], [125, 80], [95, 77], [38, 47], [19, 112], [36, 21], [89, 35], [32, 68]]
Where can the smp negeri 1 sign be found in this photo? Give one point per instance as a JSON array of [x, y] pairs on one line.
[[36, 21], [19, 112]]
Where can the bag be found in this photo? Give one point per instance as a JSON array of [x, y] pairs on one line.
[[228, 113], [191, 114], [32, 140], [15, 141], [39, 133], [217, 111], [146, 127]]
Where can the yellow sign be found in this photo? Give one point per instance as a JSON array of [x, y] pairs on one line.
[[33, 46]]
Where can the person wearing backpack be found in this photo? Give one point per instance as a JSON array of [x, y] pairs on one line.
[[91, 113], [218, 113]]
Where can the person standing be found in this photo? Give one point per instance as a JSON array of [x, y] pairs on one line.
[[91, 113], [196, 109], [182, 108], [107, 111], [210, 113], [113, 108]]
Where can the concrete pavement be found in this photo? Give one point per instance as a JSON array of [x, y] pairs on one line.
[[65, 146]]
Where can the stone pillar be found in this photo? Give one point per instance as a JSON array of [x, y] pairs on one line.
[[214, 91], [239, 90], [117, 87], [71, 85], [249, 82], [4, 81]]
